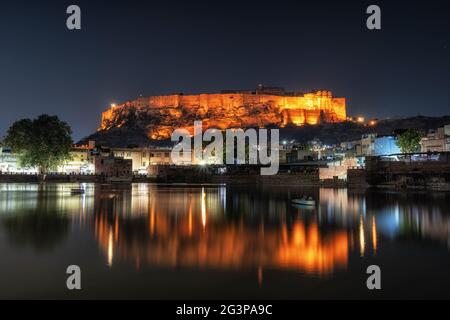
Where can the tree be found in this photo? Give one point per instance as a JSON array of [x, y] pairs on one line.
[[44, 142], [408, 141]]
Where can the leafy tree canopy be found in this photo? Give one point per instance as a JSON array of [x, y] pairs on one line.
[[44, 142], [409, 141]]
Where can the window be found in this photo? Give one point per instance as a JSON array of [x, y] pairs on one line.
[[144, 154], [143, 164]]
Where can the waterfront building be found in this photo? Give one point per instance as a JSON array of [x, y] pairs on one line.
[[370, 145], [142, 158], [351, 148], [337, 169], [385, 145], [111, 166], [436, 140], [367, 144], [9, 163], [81, 162]]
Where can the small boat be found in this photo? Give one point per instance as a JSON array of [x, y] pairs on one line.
[[304, 202], [77, 191]]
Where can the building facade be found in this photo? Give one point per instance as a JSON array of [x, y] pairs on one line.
[[385, 145], [111, 166], [142, 158], [269, 106], [436, 140]]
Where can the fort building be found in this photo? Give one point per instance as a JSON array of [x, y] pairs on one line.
[[231, 108]]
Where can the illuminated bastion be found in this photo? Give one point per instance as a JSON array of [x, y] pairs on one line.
[[160, 115]]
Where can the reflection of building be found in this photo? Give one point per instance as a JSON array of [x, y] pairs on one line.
[[189, 228], [306, 249]]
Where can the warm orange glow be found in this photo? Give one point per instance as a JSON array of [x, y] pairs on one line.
[[260, 276], [110, 248], [224, 111], [203, 208], [362, 240], [374, 235], [152, 219], [116, 229], [190, 218], [360, 119], [307, 251], [297, 247]]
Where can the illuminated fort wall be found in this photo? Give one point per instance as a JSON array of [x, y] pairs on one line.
[[311, 108]]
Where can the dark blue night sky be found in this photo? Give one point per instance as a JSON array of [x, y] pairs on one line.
[[128, 48]]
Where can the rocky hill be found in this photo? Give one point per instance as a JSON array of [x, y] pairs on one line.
[[131, 134], [158, 116]]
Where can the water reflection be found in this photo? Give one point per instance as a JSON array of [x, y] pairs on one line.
[[221, 227], [191, 227], [31, 216]]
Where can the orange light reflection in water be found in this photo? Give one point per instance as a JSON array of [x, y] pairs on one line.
[[362, 240], [180, 239], [374, 235]]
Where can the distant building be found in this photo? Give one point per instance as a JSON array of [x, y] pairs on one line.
[[337, 169], [81, 162], [299, 155], [351, 148], [9, 162], [436, 140], [111, 166], [142, 158], [368, 144], [385, 145], [266, 106]]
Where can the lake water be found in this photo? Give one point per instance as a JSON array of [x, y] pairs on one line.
[[211, 241]]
